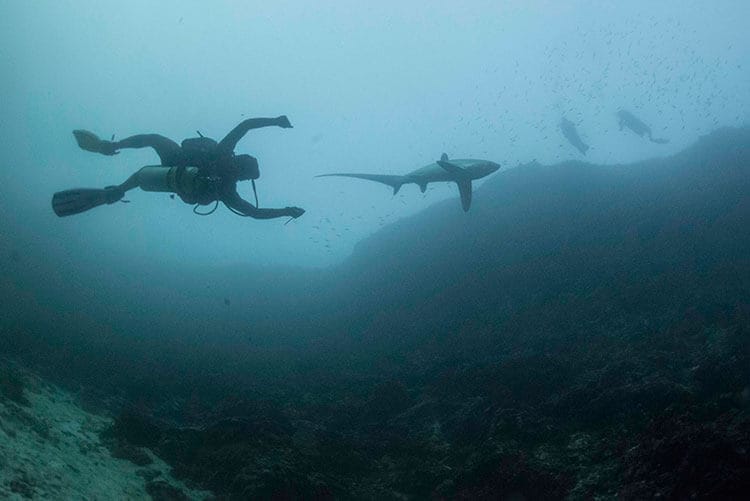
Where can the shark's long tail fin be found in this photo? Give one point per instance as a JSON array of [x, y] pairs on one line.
[[394, 182]]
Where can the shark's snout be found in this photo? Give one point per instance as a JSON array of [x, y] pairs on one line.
[[490, 167]]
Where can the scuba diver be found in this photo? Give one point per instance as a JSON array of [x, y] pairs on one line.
[[570, 132], [627, 119], [200, 171]]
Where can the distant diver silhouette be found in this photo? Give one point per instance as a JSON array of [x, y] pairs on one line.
[[627, 119], [571, 134]]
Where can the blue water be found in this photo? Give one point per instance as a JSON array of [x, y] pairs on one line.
[[564, 338]]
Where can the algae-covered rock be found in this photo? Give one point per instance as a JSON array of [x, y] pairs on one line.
[[160, 490], [12, 385]]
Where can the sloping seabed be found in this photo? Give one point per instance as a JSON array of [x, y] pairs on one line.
[[582, 332], [50, 448]]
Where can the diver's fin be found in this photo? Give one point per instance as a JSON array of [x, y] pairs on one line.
[[393, 181], [464, 188], [87, 140], [90, 142], [444, 157], [453, 169], [69, 202]]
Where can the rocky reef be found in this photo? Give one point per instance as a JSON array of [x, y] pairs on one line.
[[50, 448], [582, 333]]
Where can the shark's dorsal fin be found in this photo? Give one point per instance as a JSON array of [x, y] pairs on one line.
[[444, 157], [453, 169]]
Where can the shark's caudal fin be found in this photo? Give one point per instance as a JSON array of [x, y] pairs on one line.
[[393, 181]]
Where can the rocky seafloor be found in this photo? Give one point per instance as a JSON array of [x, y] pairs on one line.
[[615, 420], [51, 448]]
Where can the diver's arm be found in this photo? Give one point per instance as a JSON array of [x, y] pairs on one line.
[[234, 201], [230, 141]]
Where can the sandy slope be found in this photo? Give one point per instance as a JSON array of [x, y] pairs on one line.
[[50, 449]]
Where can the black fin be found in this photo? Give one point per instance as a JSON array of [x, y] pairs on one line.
[[464, 188], [87, 140], [69, 202]]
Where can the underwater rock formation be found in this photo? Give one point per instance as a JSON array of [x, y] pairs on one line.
[[583, 333]]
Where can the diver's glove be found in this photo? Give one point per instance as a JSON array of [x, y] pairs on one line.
[[294, 212], [283, 122]]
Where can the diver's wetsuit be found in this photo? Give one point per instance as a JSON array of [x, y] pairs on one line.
[[200, 171], [194, 187], [570, 132], [627, 119], [172, 154]]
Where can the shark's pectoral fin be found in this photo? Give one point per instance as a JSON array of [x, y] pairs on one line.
[[423, 187], [444, 157], [464, 188], [454, 169]]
